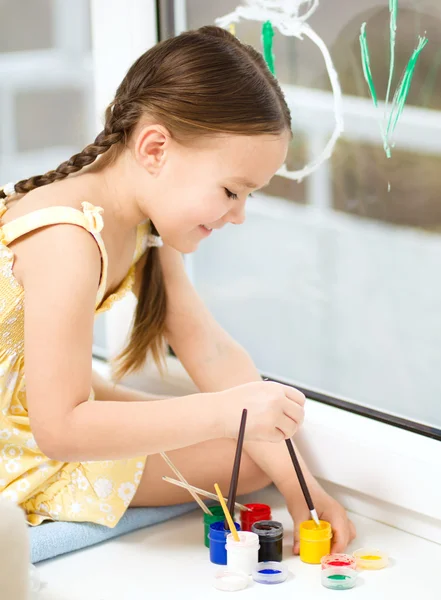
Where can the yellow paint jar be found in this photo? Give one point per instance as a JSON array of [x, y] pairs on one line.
[[371, 558], [315, 541]]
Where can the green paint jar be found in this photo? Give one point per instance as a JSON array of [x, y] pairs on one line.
[[218, 515], [339, 578]]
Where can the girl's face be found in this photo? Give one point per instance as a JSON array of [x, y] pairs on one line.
[[198, 189]]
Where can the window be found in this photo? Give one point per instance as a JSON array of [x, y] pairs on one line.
[[46, 91], [47, 109], [333, 283]]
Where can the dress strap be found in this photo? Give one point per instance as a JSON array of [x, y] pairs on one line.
[[90, 219], [144, 240]]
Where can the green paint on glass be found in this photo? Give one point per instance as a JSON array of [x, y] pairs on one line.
[[393, 111], [366, 63], [339, 577], [267, 42], [402, 90], [393, 9]]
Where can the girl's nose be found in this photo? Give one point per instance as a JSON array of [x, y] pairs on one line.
[[237, 214]]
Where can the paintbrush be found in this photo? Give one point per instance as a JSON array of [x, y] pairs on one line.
[[302, 481], [204, 507], [236, 466], [197, 490]]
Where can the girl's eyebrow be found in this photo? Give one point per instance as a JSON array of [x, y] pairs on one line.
[[246, 183]]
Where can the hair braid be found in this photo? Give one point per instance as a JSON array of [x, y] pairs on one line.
[[102, 143]]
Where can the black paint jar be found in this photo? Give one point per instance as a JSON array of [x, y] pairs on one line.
[[270, 539]]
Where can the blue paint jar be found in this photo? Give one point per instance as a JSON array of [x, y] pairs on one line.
[[218, 539]]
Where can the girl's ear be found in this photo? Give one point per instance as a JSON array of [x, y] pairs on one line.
[[151, 146]]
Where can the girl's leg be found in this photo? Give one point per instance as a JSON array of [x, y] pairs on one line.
[[202, 465]]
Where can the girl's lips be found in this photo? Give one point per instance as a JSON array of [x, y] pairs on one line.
[[206, 232]]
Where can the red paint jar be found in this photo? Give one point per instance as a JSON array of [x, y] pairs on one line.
[[338, 560], [258, 512]]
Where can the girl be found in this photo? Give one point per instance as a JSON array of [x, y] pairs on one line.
[[196, 125]]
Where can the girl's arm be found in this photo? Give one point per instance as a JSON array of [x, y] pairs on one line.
[[59, 268], [105, 389]]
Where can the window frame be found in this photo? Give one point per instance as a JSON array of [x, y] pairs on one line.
[[361, 451]]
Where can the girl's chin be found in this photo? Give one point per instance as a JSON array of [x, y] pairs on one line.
[[182, 246]]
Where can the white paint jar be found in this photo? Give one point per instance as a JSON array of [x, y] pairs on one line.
[[243, 556], [14, 552]]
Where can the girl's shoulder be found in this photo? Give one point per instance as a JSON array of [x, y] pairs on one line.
[[35, 214]]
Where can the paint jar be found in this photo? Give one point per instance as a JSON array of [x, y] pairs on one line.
[[270, 539], [338, 560], [258, 512], [218, 515], [230, 581], [242, 556], [218, 537], [270, 572], [14, 552], [315, 541], [339, 578], [371, 558]]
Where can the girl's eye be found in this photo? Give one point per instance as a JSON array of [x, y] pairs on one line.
[[231, 194]]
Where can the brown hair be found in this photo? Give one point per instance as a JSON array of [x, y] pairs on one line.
[[199, 83]]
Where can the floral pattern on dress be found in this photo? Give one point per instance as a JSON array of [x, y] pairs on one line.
[[94, 491]]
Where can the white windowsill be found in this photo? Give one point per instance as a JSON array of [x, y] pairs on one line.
[[375, 469], [169, 561]]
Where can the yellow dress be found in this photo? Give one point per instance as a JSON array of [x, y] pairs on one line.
[[97, 491]]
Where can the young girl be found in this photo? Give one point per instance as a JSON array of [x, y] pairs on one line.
[[196, 125]]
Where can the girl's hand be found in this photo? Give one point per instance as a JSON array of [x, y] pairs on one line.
[[329, 510], [275, 411]]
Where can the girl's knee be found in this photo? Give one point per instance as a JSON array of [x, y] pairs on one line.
[[252, 478]]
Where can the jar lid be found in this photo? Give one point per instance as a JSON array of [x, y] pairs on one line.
[[230, 581], [270, 572], [339, 578], [371, 558], [338, 560]]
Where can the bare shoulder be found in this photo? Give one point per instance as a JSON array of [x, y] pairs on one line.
[[65, 249]]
